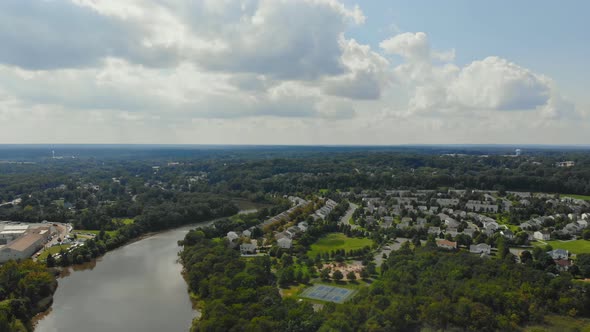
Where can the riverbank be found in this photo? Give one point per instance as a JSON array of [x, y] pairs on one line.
[[167, 239], [138, 287]]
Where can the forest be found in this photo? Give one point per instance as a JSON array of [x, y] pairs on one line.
[[164, 187], [420, 287], [26, 288]]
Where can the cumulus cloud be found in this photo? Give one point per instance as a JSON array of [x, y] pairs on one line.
[[493, 83], [411, 46], [213, 70], [368, 73]]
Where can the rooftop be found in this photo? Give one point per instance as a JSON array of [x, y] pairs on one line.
[[24, 242]]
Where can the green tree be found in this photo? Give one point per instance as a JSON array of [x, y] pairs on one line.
[[337, 275], [351, 276], [583, 263]]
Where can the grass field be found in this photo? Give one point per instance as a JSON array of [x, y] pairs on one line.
[[82, 231], [576, 247], [561, 324], [584, 197], [125, 221], [293, 290], [334, 241], [52, 250]]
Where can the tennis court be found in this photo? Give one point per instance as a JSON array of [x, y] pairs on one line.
[[327, 293]]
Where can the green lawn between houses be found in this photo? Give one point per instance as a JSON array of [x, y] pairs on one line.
[[334, 241], [584, 197], [575, 247]]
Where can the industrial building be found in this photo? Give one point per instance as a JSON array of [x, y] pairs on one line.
[[23, 240]]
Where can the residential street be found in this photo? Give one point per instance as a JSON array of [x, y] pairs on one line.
[[348, 215]]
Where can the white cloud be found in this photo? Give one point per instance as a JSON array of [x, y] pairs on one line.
[[368, 73], [249, 71], [490, 84], [411, 46], [495, 83]]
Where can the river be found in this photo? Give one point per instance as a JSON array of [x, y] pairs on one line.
[[137, 287]]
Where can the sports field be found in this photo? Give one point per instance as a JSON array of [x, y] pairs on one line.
[[335, 241], [327, 293]]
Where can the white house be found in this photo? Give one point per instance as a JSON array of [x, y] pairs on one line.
[[540, 235], [559, 254], [284, 243], [507, 234], [247, 248], [231, 236], [480, 248]]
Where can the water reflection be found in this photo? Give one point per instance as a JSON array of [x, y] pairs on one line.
[[138, 287]]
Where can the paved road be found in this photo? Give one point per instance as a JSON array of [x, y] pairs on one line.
[[348, 215]]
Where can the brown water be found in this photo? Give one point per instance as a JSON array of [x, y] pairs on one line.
[[138, 287]]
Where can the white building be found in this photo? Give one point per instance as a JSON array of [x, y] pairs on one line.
[[22, 248], [231, 236], [481, 248], [539, 235], [284, 243]]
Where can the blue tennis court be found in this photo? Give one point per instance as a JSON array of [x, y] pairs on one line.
[[327, 293]]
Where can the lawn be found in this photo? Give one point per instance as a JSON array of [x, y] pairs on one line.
[[52, 250], [293, 290], [95, 232], [576, 246], [503, 220], [125, 221], [584, 197], [334, 241], [554, 323]]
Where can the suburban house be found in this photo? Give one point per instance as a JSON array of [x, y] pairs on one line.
[[248, 248], [387, 222], [405, 223], [563, 264], [558, 254], [434, 230], [541, 235], [303, 226], [231, 236], [469, 231], [481, 248], [507, 234], [284, 243], [446, 244]]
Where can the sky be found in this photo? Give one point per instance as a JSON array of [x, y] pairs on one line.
[[295, 72]]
